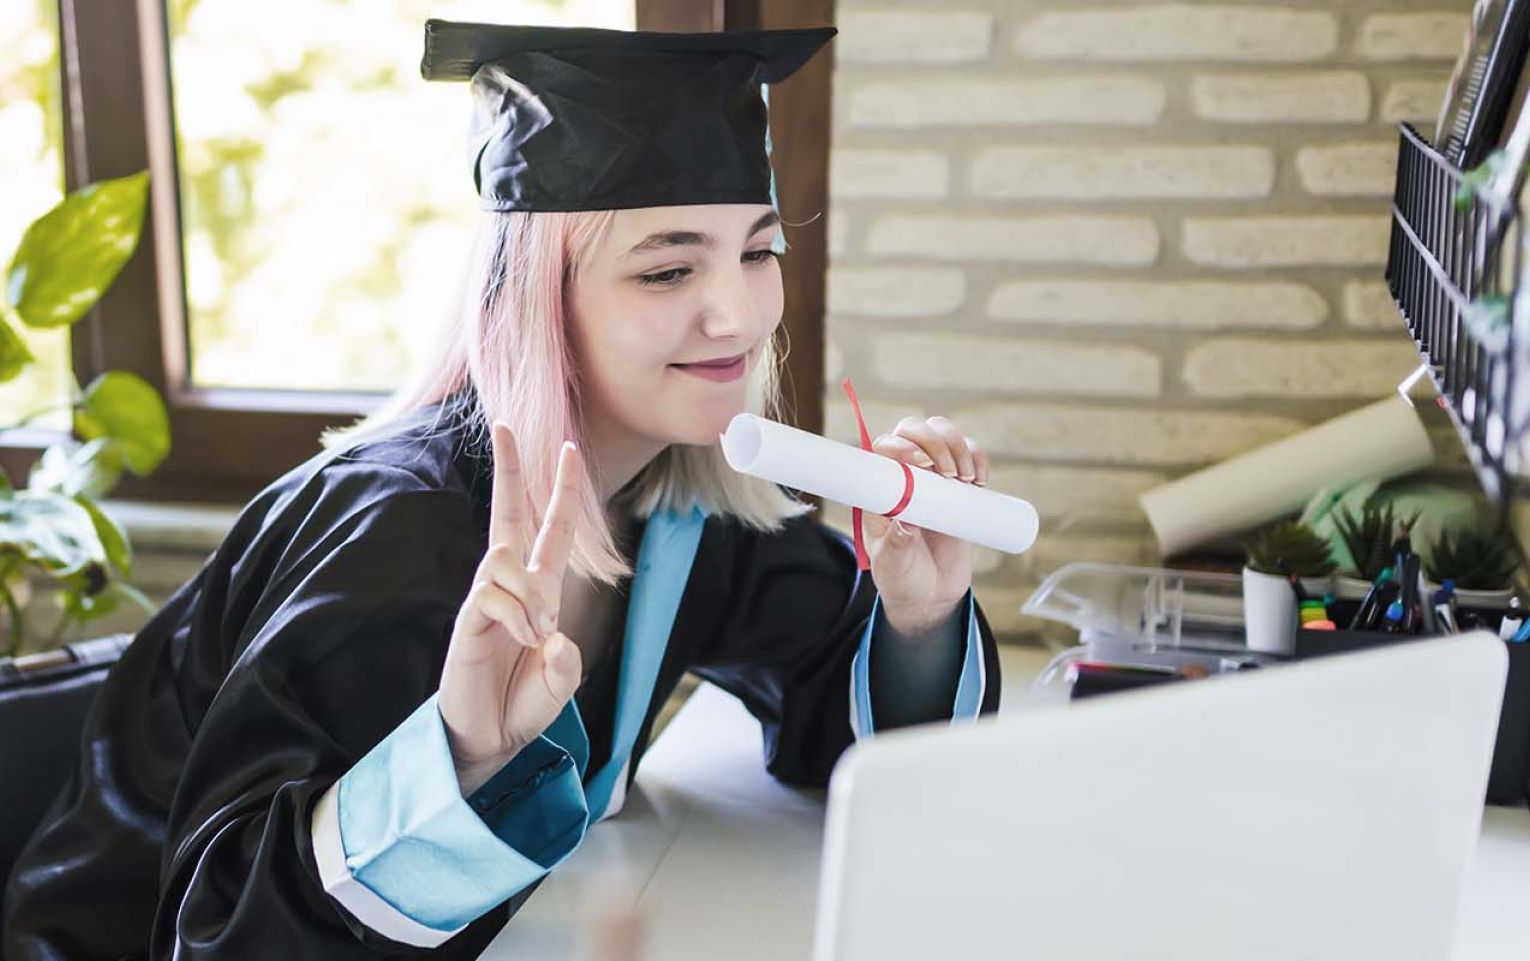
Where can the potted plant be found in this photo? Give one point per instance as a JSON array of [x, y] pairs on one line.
[[1479, 563], [1368, 539], [67, 259], [1269, 602]]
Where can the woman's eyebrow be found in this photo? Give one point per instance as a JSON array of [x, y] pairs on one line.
[[683, 238]]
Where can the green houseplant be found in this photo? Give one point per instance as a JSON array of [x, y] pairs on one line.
[[1369, 537], [1290, 547], [1269, 602], [1480, 564], [65, 262]]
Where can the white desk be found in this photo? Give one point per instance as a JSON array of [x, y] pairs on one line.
[[726, 858]]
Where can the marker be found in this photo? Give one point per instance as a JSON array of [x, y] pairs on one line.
[[1447, 617], [1512, 621], [1363, 614]]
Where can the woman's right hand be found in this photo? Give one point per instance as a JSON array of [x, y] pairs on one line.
[[509, 671]]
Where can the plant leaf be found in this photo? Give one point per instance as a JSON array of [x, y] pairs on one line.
[[71, 468], [70, 255], [51, 530], [1488, 320], [1478, 176], [125, 407], [113, 538], [135, 595], [84, 607], [14, 353]]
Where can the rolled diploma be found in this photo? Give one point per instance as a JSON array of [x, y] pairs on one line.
[[860, 478], [1384, 439]]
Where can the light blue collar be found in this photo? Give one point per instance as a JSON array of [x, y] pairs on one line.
[[666, 554]]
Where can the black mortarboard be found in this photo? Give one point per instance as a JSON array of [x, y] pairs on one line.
[[577, 118]]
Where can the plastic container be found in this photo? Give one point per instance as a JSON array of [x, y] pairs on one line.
[[1142, 617], [1157, 617]]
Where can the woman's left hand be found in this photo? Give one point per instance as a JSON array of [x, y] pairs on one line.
[[921, 574]]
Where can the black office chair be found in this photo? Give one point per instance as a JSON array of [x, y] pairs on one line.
[[43, 702]]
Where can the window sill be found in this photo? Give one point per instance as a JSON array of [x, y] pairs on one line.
[[172, 526]]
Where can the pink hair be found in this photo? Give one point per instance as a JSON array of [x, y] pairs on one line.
[[510, 344]]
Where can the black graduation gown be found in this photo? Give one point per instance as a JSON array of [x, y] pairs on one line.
[[320, 624]]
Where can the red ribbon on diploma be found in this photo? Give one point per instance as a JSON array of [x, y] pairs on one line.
[[861, 558]]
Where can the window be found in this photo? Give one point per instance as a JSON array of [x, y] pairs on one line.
[[257, 327], [326, 204], [31, 181]]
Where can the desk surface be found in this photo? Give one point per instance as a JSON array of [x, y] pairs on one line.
[[702, 800]]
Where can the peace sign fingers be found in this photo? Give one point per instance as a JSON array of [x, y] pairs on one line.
[[555, 541], [507, 502]]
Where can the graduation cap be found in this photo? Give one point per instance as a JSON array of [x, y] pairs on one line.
[[580, 118]]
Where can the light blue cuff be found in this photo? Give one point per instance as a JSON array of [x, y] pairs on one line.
[[411, 838], [969, 685]]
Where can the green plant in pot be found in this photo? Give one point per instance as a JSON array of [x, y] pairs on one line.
[[1476, 560], [67, 259], [1369, 537], [1269, 602], [1290, 547]]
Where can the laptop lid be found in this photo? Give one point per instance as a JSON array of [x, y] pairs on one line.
[[1320, 810]]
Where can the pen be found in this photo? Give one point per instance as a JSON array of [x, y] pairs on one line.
[[1444, 604], [1137, 668], [1368, 603]]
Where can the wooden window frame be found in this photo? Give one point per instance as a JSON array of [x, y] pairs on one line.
[[229, 443]]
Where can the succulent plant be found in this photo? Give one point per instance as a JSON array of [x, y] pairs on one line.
[[1369, 537], [1475, 559], [1290, 547]]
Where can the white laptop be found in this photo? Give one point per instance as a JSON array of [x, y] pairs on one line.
[[1326, 809]]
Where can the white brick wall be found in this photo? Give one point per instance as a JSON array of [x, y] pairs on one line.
[[1177, 33], [1413, 36], [1116, 240], [1292, 241], [1201, 171], [1272, 98], [895, 292], [1244, 367], [890, 174], [913, 36], [965, 363], [995, 101], [1349, 169], [1136, 434], [1416, 101], [1189, 304], [1059, 491], [1368, 303]]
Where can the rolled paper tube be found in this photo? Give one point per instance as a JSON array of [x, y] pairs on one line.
[[1384, 440], [873, 482]]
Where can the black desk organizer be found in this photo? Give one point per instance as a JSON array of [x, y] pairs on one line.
[[1509, 776], [1442, 259]]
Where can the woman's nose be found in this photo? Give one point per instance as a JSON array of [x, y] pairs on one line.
[[730, 310]]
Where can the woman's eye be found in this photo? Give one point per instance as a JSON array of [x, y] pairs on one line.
[[664, 278], [760, 256]]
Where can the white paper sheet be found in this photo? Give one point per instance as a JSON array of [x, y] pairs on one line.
[[1384, 439], [858, 478]]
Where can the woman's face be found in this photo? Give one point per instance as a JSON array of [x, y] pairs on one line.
[[667, 289]]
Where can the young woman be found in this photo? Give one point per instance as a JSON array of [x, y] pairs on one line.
[[423, 663]]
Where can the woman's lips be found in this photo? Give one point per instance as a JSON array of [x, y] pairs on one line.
[[723, 372]]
